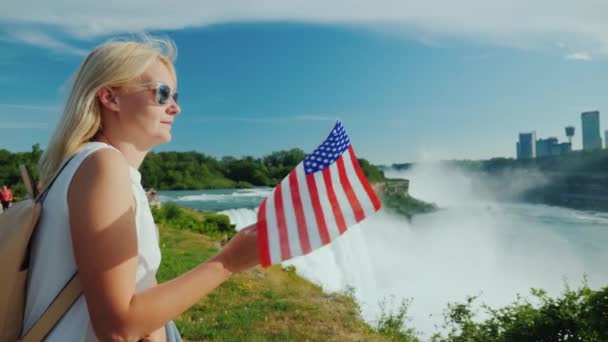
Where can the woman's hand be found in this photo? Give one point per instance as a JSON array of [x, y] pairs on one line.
[[241, 252]]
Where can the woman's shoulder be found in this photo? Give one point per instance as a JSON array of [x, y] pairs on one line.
[[101, 162]]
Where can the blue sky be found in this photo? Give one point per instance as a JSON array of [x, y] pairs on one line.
[[410, 81]]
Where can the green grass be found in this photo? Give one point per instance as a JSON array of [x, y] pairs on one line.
[[258, 305]]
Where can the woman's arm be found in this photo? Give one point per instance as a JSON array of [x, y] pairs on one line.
[[159, 335], [102, 218]]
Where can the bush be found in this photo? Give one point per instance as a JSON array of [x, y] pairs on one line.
[[393, 323], [578, 315], [214, 225]]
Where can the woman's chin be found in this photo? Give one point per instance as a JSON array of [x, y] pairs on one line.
[[165, 139], [162, 139]]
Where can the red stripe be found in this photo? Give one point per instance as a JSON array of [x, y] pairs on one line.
[[262, 229], [368, 188], [283, 237], [316, 206], [350, 193], [333, 200], [300, 219]]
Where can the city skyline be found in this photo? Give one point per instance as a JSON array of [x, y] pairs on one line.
[[410, 83], [529, 146]]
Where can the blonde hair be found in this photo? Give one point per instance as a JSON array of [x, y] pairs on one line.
[[112, 64]]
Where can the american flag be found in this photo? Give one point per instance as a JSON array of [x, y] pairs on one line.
[[319, 199]]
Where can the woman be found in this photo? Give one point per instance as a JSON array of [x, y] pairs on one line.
[[96, 218]]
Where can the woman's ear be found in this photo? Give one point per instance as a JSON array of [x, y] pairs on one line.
[[108, 99]]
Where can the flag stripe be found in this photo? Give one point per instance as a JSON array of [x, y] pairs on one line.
[[349, 192], [262, 228], [328, 213], [368, 188], [364, 200], [341, 197], [290, 218], [273, 233], [316, 204], [283, 238], [307, 209], [335, 206], [300, 220]]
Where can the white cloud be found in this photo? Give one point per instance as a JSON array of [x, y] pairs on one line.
[[579, 56], [315, 118], [41, 39], [267, 119], [23, 125], [39, 108], [27, 116], [581, 25]]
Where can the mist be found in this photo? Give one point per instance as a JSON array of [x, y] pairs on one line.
[[473, 245]]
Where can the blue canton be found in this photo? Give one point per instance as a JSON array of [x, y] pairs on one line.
[[331, 149]]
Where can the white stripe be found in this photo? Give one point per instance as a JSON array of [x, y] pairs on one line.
[[290, 219], [309, 212], [347, 210], [274, 244], [328, 213], [364, 200]]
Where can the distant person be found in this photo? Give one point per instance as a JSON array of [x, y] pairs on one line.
[[122, 104], [6, 196], [154, 195]]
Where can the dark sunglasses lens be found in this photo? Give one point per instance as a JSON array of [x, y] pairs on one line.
[[175, 97], [162, 94]]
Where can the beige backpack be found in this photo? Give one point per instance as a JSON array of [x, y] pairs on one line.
[[17, 227]]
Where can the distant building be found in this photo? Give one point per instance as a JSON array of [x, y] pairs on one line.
[[526, 147], [544, 147], [564, 148], [551, 147], [591, 130], [570, 133], [606, 138]]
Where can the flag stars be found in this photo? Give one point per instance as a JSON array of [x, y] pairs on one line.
[[329, 151]]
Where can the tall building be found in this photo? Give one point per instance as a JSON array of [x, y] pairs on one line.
[[526, 147], [606, 138], [591, 130]]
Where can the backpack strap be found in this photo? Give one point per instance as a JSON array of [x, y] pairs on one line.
[[28, 181], [70, 292], [55, 311], [42, 195]]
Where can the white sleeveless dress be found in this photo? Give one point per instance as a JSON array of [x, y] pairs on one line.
[[52, 261]]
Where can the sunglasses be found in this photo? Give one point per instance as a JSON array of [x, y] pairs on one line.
[[162, 92]]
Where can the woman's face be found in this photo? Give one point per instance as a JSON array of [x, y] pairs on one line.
[[146, 121]]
